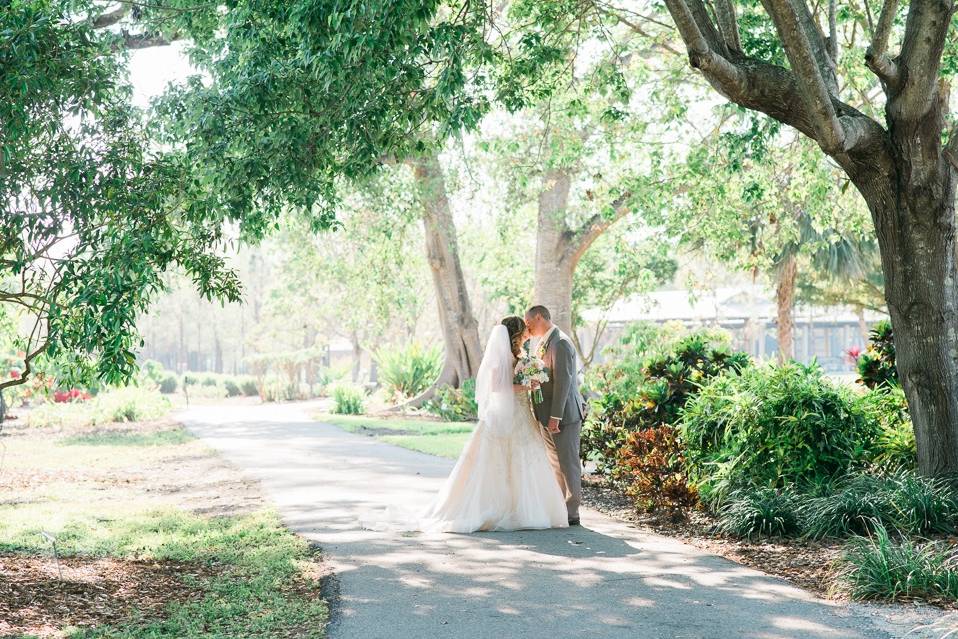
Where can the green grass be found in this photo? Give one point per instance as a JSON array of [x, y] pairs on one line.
[[443, 439], [448, 445], [255, 585], [129, 438], [250, 597]]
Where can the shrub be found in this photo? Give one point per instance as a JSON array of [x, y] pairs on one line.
[[923, 505], [649, 467], [348, 400], [152, 372], [168, 384], [633, 401], [125, 404], [876, 366], [455, 404], [877, 567], [896, 442], [248, 387], [279, 389], [406, 372], [209, 380], [759, 512], [232, 387], [773, 426], [851, 507]]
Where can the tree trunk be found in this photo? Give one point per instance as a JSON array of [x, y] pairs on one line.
[[357, 357], [560, 247], [556, 256], [915, 223], [459, 326], [785, 303]]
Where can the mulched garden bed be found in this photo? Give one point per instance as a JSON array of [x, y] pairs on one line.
[[36, 600], [809, 564]]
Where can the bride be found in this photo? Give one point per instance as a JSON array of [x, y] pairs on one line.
[[503, 479]]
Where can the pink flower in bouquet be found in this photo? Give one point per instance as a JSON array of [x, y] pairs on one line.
[[531, 371]]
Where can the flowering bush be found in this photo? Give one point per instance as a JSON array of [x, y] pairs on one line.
[[72, 395]]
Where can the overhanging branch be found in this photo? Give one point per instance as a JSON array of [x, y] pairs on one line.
[[876, 56], [728, 24], [805, 63], [922, 46]]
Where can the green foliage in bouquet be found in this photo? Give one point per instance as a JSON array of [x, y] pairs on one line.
[[876, 366]]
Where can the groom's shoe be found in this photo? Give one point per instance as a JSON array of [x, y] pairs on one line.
[[574, 521]]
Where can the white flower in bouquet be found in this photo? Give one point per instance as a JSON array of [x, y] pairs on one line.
[[531, 369]]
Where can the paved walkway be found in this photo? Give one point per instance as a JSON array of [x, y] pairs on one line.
[[605, 579]]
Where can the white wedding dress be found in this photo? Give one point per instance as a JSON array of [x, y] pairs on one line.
[[503, 479]]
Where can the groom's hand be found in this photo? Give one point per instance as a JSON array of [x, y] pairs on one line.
[[553, 425]]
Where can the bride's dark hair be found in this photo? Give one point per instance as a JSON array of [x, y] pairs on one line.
[[517, 328]]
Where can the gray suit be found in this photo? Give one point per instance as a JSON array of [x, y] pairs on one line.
[[562, 399]]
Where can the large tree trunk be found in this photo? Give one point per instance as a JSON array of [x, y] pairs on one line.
[[560, 247], [915, 221], [555, 259], [785, 303], [459, 327]]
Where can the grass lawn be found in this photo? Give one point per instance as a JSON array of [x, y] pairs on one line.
[[158, 537], [444, 439]]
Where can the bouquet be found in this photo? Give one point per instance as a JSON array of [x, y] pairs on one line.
[[531, 369]]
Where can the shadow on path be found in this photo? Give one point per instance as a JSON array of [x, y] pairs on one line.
[[605, 579]]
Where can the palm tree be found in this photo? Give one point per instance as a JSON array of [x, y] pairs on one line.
[[838, 257]]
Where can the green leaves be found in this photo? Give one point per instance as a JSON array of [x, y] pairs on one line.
[[93, 216]]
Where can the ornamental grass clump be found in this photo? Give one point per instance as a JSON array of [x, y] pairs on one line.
[[760, 512], [880, 568], [903, 502]]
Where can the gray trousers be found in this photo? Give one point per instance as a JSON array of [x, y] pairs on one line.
[[563, 449]]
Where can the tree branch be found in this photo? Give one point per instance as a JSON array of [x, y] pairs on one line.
[[110, 18], [596, 226], [707, 28], [27, 368], [145, 40], [805, 24], [876, 56], [804, 62], [832, 32], [721, 74], [925, 31], [728, 24]]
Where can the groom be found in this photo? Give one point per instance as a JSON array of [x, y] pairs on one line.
[[561, 409]]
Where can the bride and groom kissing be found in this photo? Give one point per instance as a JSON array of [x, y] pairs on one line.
[[520, 468]]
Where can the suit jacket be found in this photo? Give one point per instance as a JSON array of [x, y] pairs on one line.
[[560, 395]]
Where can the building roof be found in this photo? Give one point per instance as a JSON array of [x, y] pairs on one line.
[[731, 304]]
